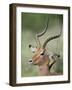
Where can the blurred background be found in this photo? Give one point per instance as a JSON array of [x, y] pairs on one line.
[[33, 23]]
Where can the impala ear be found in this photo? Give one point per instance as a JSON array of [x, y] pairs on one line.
[[30, 45]]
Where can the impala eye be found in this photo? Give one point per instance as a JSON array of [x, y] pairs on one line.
[[42, 53]]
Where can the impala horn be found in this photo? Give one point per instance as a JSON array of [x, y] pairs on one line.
[[51, 38], [41, 34]]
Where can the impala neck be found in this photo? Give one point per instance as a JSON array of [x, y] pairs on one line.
[[44, 70]]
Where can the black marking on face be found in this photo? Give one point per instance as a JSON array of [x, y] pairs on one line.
[[30, 45]]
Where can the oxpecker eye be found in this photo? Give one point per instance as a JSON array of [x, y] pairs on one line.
[[58, 55]]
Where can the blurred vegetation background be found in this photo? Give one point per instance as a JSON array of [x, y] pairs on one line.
[[32, 23]]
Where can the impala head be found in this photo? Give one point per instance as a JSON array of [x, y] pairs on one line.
[[40, 56]]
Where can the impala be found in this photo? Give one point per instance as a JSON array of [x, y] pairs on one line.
[[41, 57]]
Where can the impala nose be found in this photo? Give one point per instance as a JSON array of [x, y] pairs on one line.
[[30, 61]]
